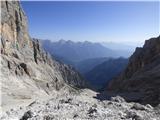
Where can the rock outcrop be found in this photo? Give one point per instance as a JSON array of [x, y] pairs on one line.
[[142, 74], [27, 71], [14, 29]]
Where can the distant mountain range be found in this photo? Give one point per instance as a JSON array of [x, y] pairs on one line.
[[124, 50], [101, 74], [97, 63], [85, 66], [119, 46], [69, 51]]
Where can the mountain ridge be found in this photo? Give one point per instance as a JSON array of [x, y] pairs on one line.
[[78, 51], [142, 74], [27, 70], [103, 73]]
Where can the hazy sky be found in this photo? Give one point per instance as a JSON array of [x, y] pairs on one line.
[[125, 22]]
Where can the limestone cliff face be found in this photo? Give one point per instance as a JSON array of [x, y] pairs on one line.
[[142, 74], [26, 69], [14, 27]]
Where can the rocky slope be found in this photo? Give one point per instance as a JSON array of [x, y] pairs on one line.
[[142, 74], [82, 106], [27, 71], [30, 80]]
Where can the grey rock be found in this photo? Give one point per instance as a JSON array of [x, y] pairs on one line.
[[75, 116], [28, 114], [89, 108], [134, 115], [27, 70], [118, 99], [48, 117], [92, 110], [141, 74], [138, 106], [149, 106]]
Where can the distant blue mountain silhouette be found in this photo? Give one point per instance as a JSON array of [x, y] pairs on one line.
[[78, 51]]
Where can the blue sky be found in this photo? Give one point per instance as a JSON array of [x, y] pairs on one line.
[[124, 22]]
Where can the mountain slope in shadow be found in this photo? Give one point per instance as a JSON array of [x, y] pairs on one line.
[[100, 75], [142, 75]]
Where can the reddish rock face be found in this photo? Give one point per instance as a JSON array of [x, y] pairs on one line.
[[142, 73]]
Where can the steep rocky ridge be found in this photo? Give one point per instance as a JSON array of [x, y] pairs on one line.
[[27, 71], [142, 74]]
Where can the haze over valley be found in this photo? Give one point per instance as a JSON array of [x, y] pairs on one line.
[[106, 67]]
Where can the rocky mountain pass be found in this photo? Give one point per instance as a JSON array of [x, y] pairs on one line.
[[35, 86]]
